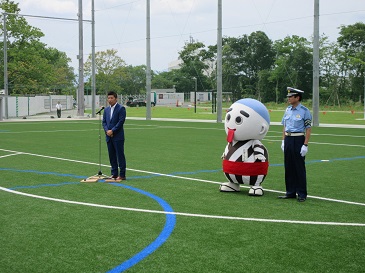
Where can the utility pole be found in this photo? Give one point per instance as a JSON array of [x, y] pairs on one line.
[[6, 87], [148, 54], [196, 89], [219, 64], [315, 98], [80, 94], [93, 86]]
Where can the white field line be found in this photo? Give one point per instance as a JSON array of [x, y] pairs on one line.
[[168, 175], [127, 127], [180, 213], [269, 138], [179, 177], [51, 131], [10, 155], [186, 214]]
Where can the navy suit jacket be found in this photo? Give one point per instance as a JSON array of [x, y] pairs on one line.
[[116, 123]]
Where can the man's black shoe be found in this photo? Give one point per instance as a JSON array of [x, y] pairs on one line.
[[301, 199], [286, 197]]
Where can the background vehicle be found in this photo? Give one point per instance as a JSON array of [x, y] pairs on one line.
[[138, 103]]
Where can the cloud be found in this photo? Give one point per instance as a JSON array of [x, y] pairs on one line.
[[52, 6], [121, 24], [167, 6], [55, 7]]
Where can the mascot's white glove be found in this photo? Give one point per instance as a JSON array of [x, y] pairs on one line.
[[304, 150], [282, 145]]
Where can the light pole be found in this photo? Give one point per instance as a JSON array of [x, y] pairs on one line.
[[315, 96], [6, 89], [81, 92], [93, 82], [219, 63], [148, 60], [196, 88]]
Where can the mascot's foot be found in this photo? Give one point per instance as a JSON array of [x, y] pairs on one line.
[[229, 187], [256, 191]]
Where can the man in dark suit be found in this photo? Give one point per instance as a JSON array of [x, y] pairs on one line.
[[113, 121]]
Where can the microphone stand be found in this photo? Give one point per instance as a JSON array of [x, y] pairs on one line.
[[99, 175]]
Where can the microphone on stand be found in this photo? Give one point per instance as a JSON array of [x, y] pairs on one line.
[[101, 109]]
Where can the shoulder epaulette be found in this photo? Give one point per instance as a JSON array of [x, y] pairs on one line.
[[302, 106]]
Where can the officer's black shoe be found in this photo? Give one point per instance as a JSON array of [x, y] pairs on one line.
[[286, 197], [301, 199]]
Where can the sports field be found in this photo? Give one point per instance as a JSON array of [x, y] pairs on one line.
[[169, 216]]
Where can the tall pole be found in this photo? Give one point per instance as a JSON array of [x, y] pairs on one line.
[[316, 65], [364, 90], [148, 54], [219, 63], [196, 89], [93, 86], [80, 94], [6, 90]]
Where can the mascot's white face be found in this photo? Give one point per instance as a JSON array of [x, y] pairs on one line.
[[243, 123]]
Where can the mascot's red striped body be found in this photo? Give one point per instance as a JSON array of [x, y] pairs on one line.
[[250, 151], [245, 158]]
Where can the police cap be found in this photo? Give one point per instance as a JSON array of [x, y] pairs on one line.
[[293, 91]]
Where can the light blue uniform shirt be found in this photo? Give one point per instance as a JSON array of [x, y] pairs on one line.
[[297, 119]]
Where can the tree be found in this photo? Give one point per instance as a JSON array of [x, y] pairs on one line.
[[197, 63], [352, 42], [243, 59], [107, 65], [163, 80], [293, 65], [331, 77], [32, 67], [132, 79], [178, 78]]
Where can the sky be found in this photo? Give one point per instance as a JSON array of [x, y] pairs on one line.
[[121, 24]]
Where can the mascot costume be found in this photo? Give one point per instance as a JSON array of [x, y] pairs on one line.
[[245, 158]]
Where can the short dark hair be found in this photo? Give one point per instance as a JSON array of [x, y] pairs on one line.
[[300, 96], [112, 93]]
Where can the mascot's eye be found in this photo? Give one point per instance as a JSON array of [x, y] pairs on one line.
[[238, 120], [228, 117]]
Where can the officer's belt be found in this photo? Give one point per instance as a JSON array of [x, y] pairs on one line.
[[294, 134]]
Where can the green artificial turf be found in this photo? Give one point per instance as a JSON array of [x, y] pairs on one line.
[[179, 164]]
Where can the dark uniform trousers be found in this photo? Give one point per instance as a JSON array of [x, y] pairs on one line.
[[295, 173]]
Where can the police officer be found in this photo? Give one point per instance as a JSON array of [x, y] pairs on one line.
[[297, 121]]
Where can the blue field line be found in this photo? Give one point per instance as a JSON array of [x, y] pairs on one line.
[[44, 185], [174, 173], [161, 239], [46, 173], [348, 158], [182, 173], [270, 165]]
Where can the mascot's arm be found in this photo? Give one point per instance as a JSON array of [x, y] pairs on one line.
[[226, 150], [258, 151]]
